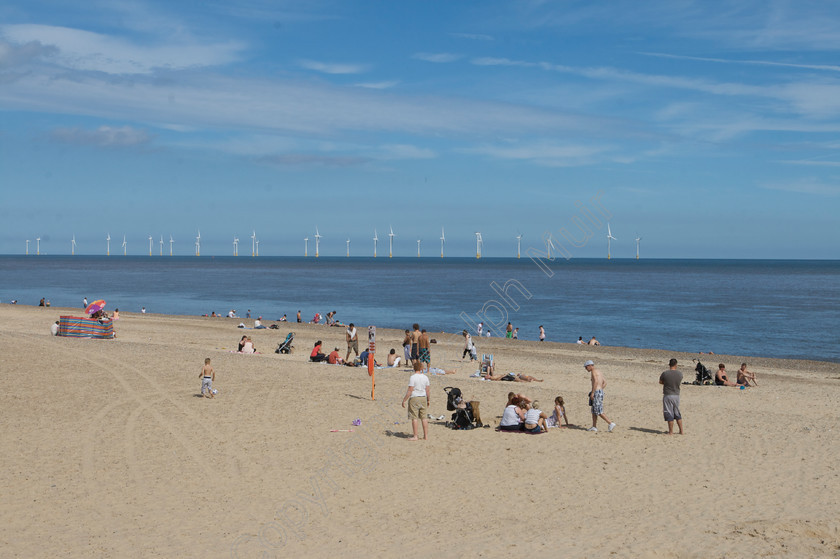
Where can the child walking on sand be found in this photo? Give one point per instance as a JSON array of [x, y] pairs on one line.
[[207, 376], [556, 419]]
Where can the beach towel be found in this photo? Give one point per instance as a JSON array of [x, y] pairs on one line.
[[79, 327]]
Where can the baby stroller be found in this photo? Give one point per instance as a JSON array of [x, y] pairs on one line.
[[704, 376], [466, 414], [286, 346]]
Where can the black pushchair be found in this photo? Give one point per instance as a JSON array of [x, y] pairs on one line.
[[704, 375], [286, 346], [466, 414]]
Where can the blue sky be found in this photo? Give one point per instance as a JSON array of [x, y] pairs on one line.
[[710, 129]]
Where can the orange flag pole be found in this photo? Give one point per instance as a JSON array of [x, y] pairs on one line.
[[372, 351]]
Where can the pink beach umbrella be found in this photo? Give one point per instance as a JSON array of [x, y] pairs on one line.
[[95, 307]]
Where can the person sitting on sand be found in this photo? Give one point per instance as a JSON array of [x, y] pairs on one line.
[[559, 415], [242, 343], [720, 377], [248, 346], [283, 319], [393, 358], [534, 418], [334, 358], [745, 376], [316, 356], [511, 377], [514, 398], [593, 341], [513, 416], [258, 325]]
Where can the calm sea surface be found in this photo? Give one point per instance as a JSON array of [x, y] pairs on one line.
[[768, 308]]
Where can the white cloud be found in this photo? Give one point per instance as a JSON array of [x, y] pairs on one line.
[[84, 50], [298, 159], [332, 68], [18, 54], [440, 57], [828, 67], [378, 85], [104, 136], [806, 186], [552, 155], [235, 104], [404, 151]]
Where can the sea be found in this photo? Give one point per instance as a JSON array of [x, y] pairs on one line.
[[768, 308]]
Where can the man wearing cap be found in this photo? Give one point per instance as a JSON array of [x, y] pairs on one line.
[[596, 397], [670, 381]]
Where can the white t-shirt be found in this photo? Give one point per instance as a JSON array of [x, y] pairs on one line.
[[352, 333], [418, 382], [509, 417], [54, 329], [532, 416], [257, 323]]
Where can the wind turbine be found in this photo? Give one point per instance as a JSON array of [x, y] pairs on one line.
[[198, 244], [609, 238], [478, 244], [317, 242], [107, 245], [258, 247], [235, 245], [27, 246], [549, 246], [253, 242], [124, 246], [161, 245], [348, 247], [442, 241], [150, 245], [390, 242], [38, 245], [171, 242], [418, 248], [637, 245], [519, 245], [306, 246], [375, 242], [73, 245]]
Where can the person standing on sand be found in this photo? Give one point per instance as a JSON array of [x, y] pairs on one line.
[[509, 331], [670, 381], [207, 376], [407, 347], [352, 337], [596, 397], [417, 397], [84, 303], [415, 344], [542, 333], [298, 316], [425, 350]]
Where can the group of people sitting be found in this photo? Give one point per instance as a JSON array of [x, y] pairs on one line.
[[743, 377], [523, 414], [334, 358], [246, 345]]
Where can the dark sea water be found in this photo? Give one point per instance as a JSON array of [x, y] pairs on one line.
[[786, 309]]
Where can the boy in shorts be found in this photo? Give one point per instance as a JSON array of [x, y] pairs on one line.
[[207, 376], [417, 397]]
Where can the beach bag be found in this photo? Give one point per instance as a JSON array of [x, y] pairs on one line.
[[462, 418], [453, 397]]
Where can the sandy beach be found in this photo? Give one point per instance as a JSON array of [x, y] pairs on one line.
[[108, 450]]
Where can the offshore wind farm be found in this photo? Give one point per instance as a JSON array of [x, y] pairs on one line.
[[659, 178]]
